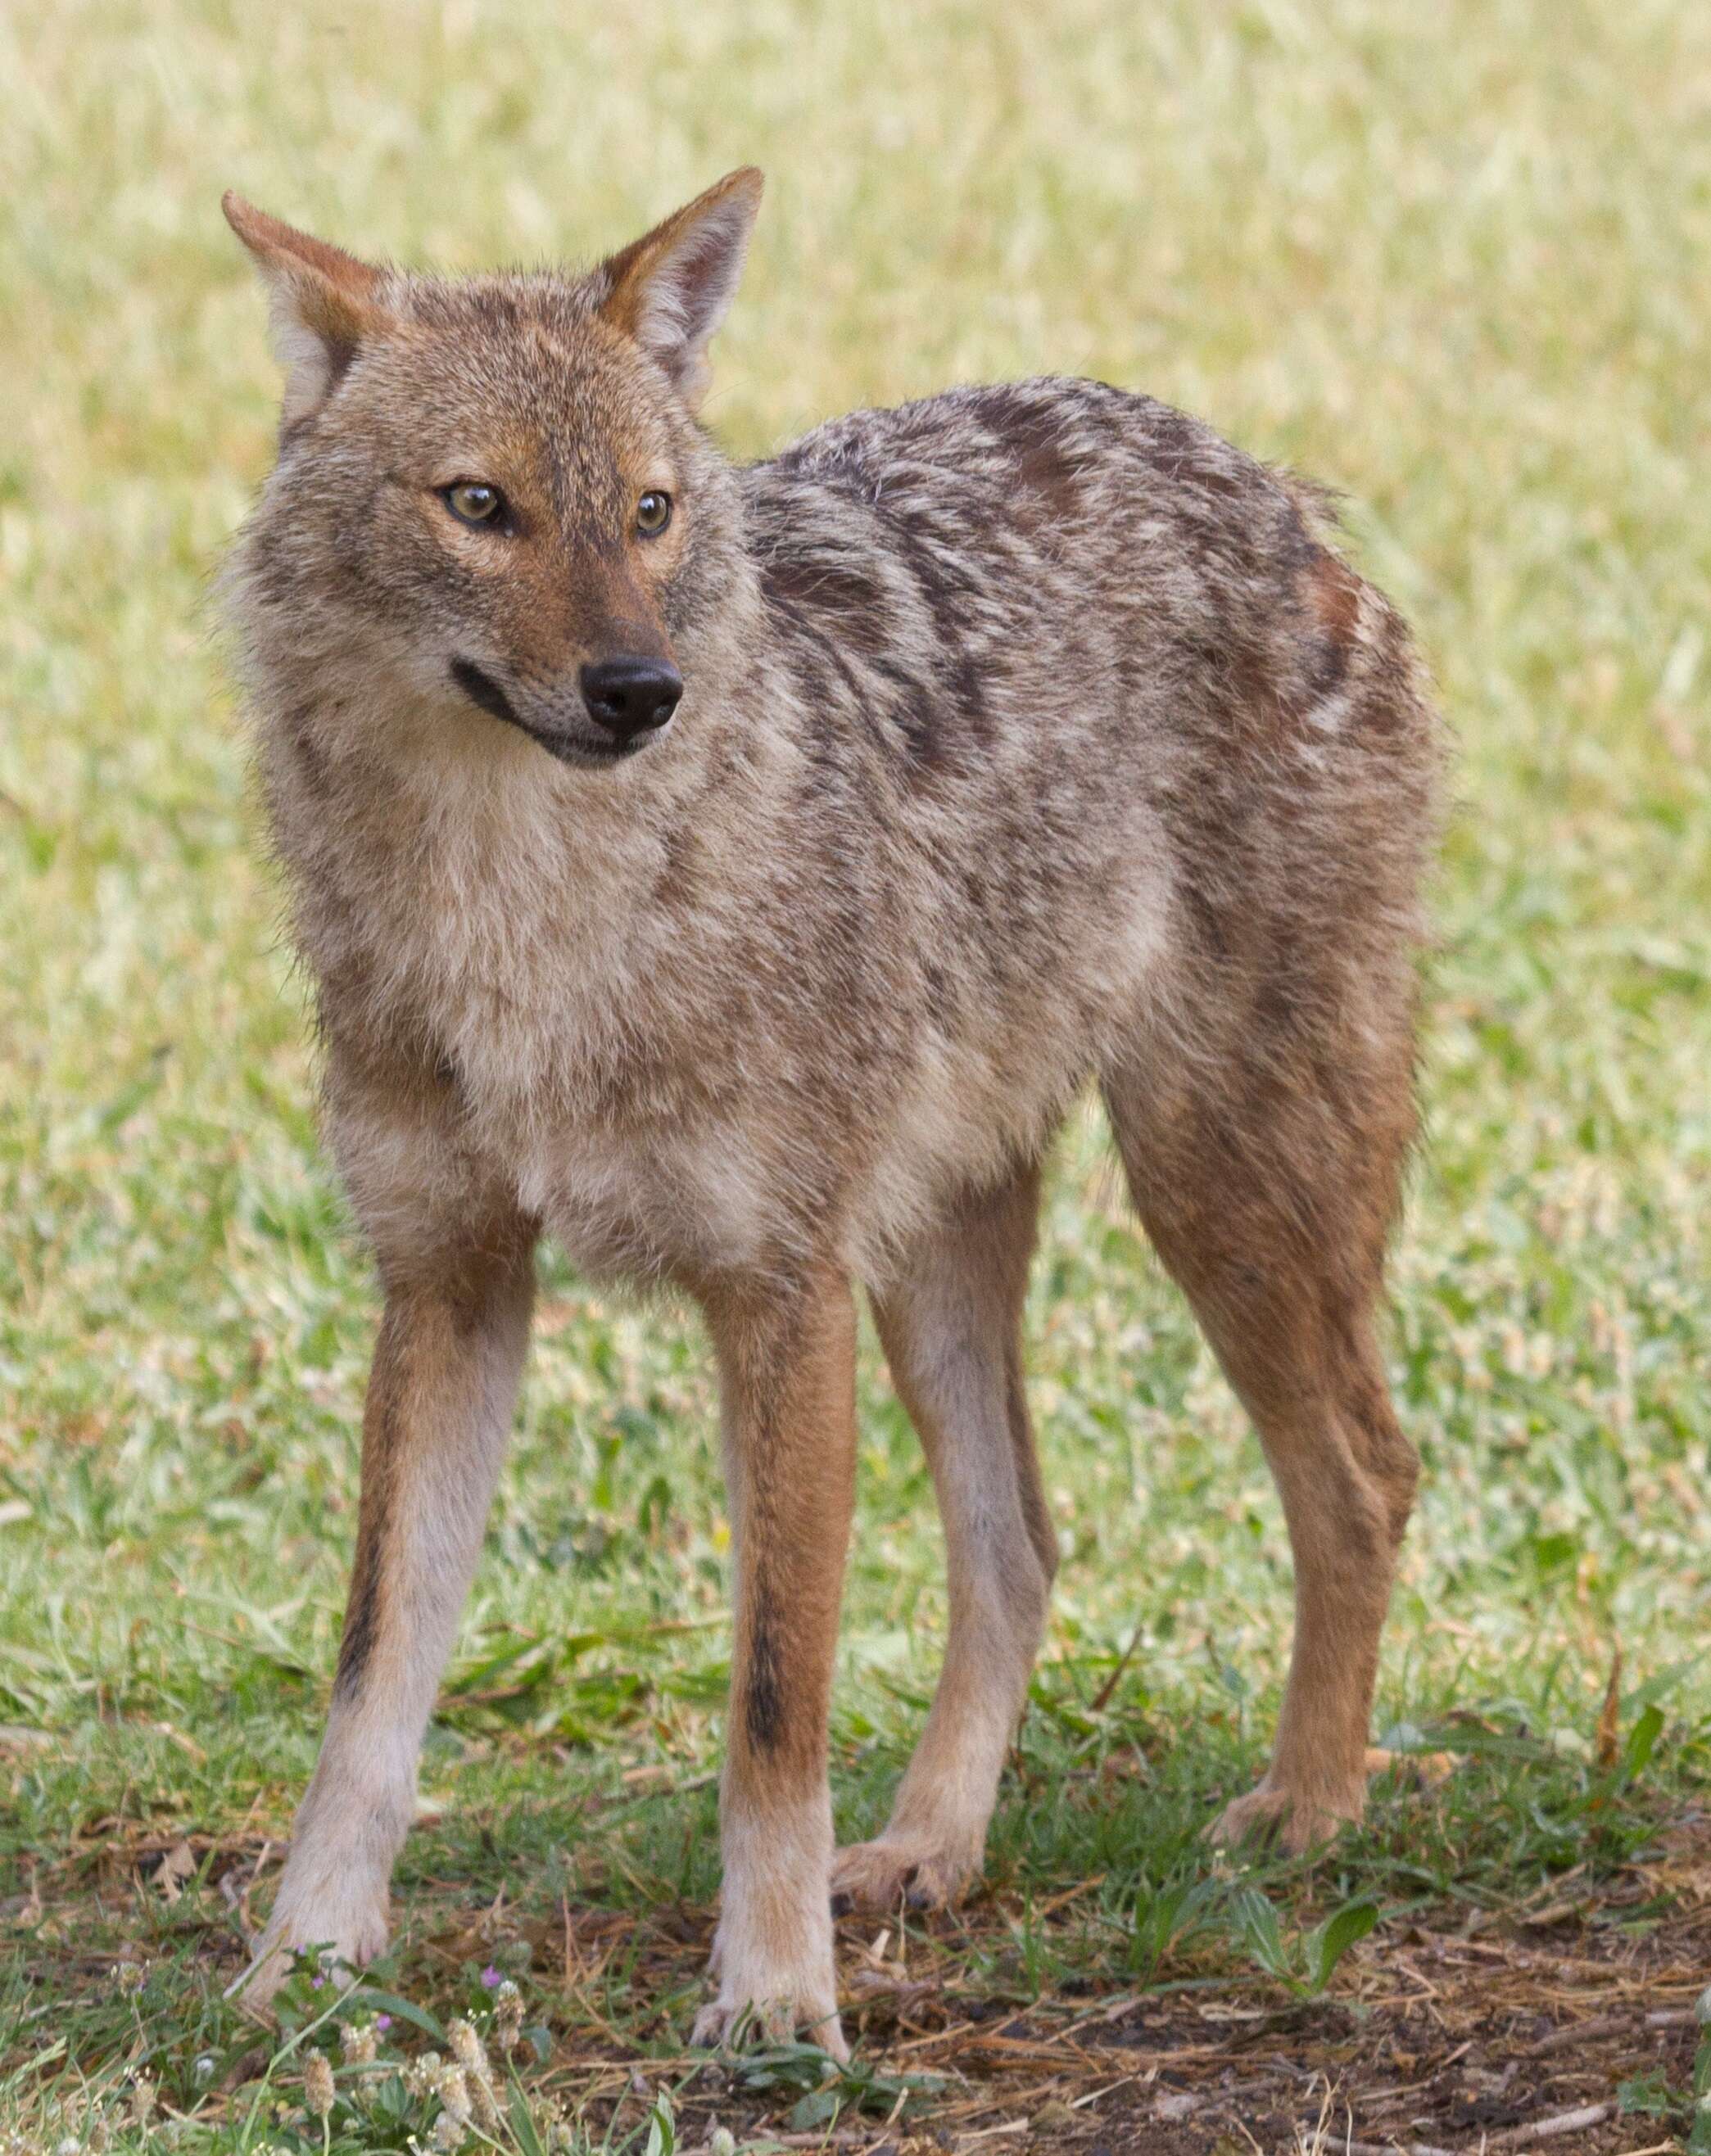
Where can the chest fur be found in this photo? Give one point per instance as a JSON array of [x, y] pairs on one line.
[[583, 1021]]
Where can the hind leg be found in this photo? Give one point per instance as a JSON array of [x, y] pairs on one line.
[[1269, 1206], [950, 1327]]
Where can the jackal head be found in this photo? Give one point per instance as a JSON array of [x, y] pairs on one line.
[[491, 494]]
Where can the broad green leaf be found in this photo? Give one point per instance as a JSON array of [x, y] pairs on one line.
[[1327, 1945]]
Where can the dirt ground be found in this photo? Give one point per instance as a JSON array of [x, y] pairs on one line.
[[1436, 2041], [1497, 2034], [1502, 2033]]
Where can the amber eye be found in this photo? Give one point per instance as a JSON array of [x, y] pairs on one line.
[[653, 513], [473, 501]]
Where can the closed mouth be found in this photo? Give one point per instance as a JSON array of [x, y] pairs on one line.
[[584, 752], [482, 689]]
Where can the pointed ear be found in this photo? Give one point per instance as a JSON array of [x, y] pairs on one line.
[[671, 289], [322, 303]]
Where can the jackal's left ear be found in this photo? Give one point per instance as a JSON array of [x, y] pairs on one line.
[[323, 303], [671, 289]]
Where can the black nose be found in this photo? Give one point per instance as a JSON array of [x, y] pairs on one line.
[[631, 696]]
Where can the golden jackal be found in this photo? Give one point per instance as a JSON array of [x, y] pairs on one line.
[[736, 873]]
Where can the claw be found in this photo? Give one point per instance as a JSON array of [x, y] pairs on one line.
[[878, 1876], [722, 2026], [1270, 1815]]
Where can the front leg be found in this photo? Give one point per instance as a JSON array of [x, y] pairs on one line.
[[787, 1367], [440, 1396]]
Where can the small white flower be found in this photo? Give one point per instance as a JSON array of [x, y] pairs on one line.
[[455, 2094], [317, 2084], [422, 2075], [358, 2040], [467, 2050], [507, 2017]]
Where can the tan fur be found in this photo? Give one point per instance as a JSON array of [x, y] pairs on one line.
[[787, 1367], [1030, 738], [950, 1327], [439, 1404]]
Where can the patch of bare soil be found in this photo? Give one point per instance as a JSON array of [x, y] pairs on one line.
[[1498, 2035], [1458, 2034]]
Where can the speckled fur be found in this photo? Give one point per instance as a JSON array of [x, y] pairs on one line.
[[1033, 737]]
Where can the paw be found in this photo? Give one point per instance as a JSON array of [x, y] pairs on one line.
[[1293, 1819], [726, 2025], [354, 1927], [767, 2000], [879, 1875]]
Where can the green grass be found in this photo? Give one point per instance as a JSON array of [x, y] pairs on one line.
[[1452, 260]]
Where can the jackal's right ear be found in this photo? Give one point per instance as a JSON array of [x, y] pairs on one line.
[[322, 303], [672, 288]]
